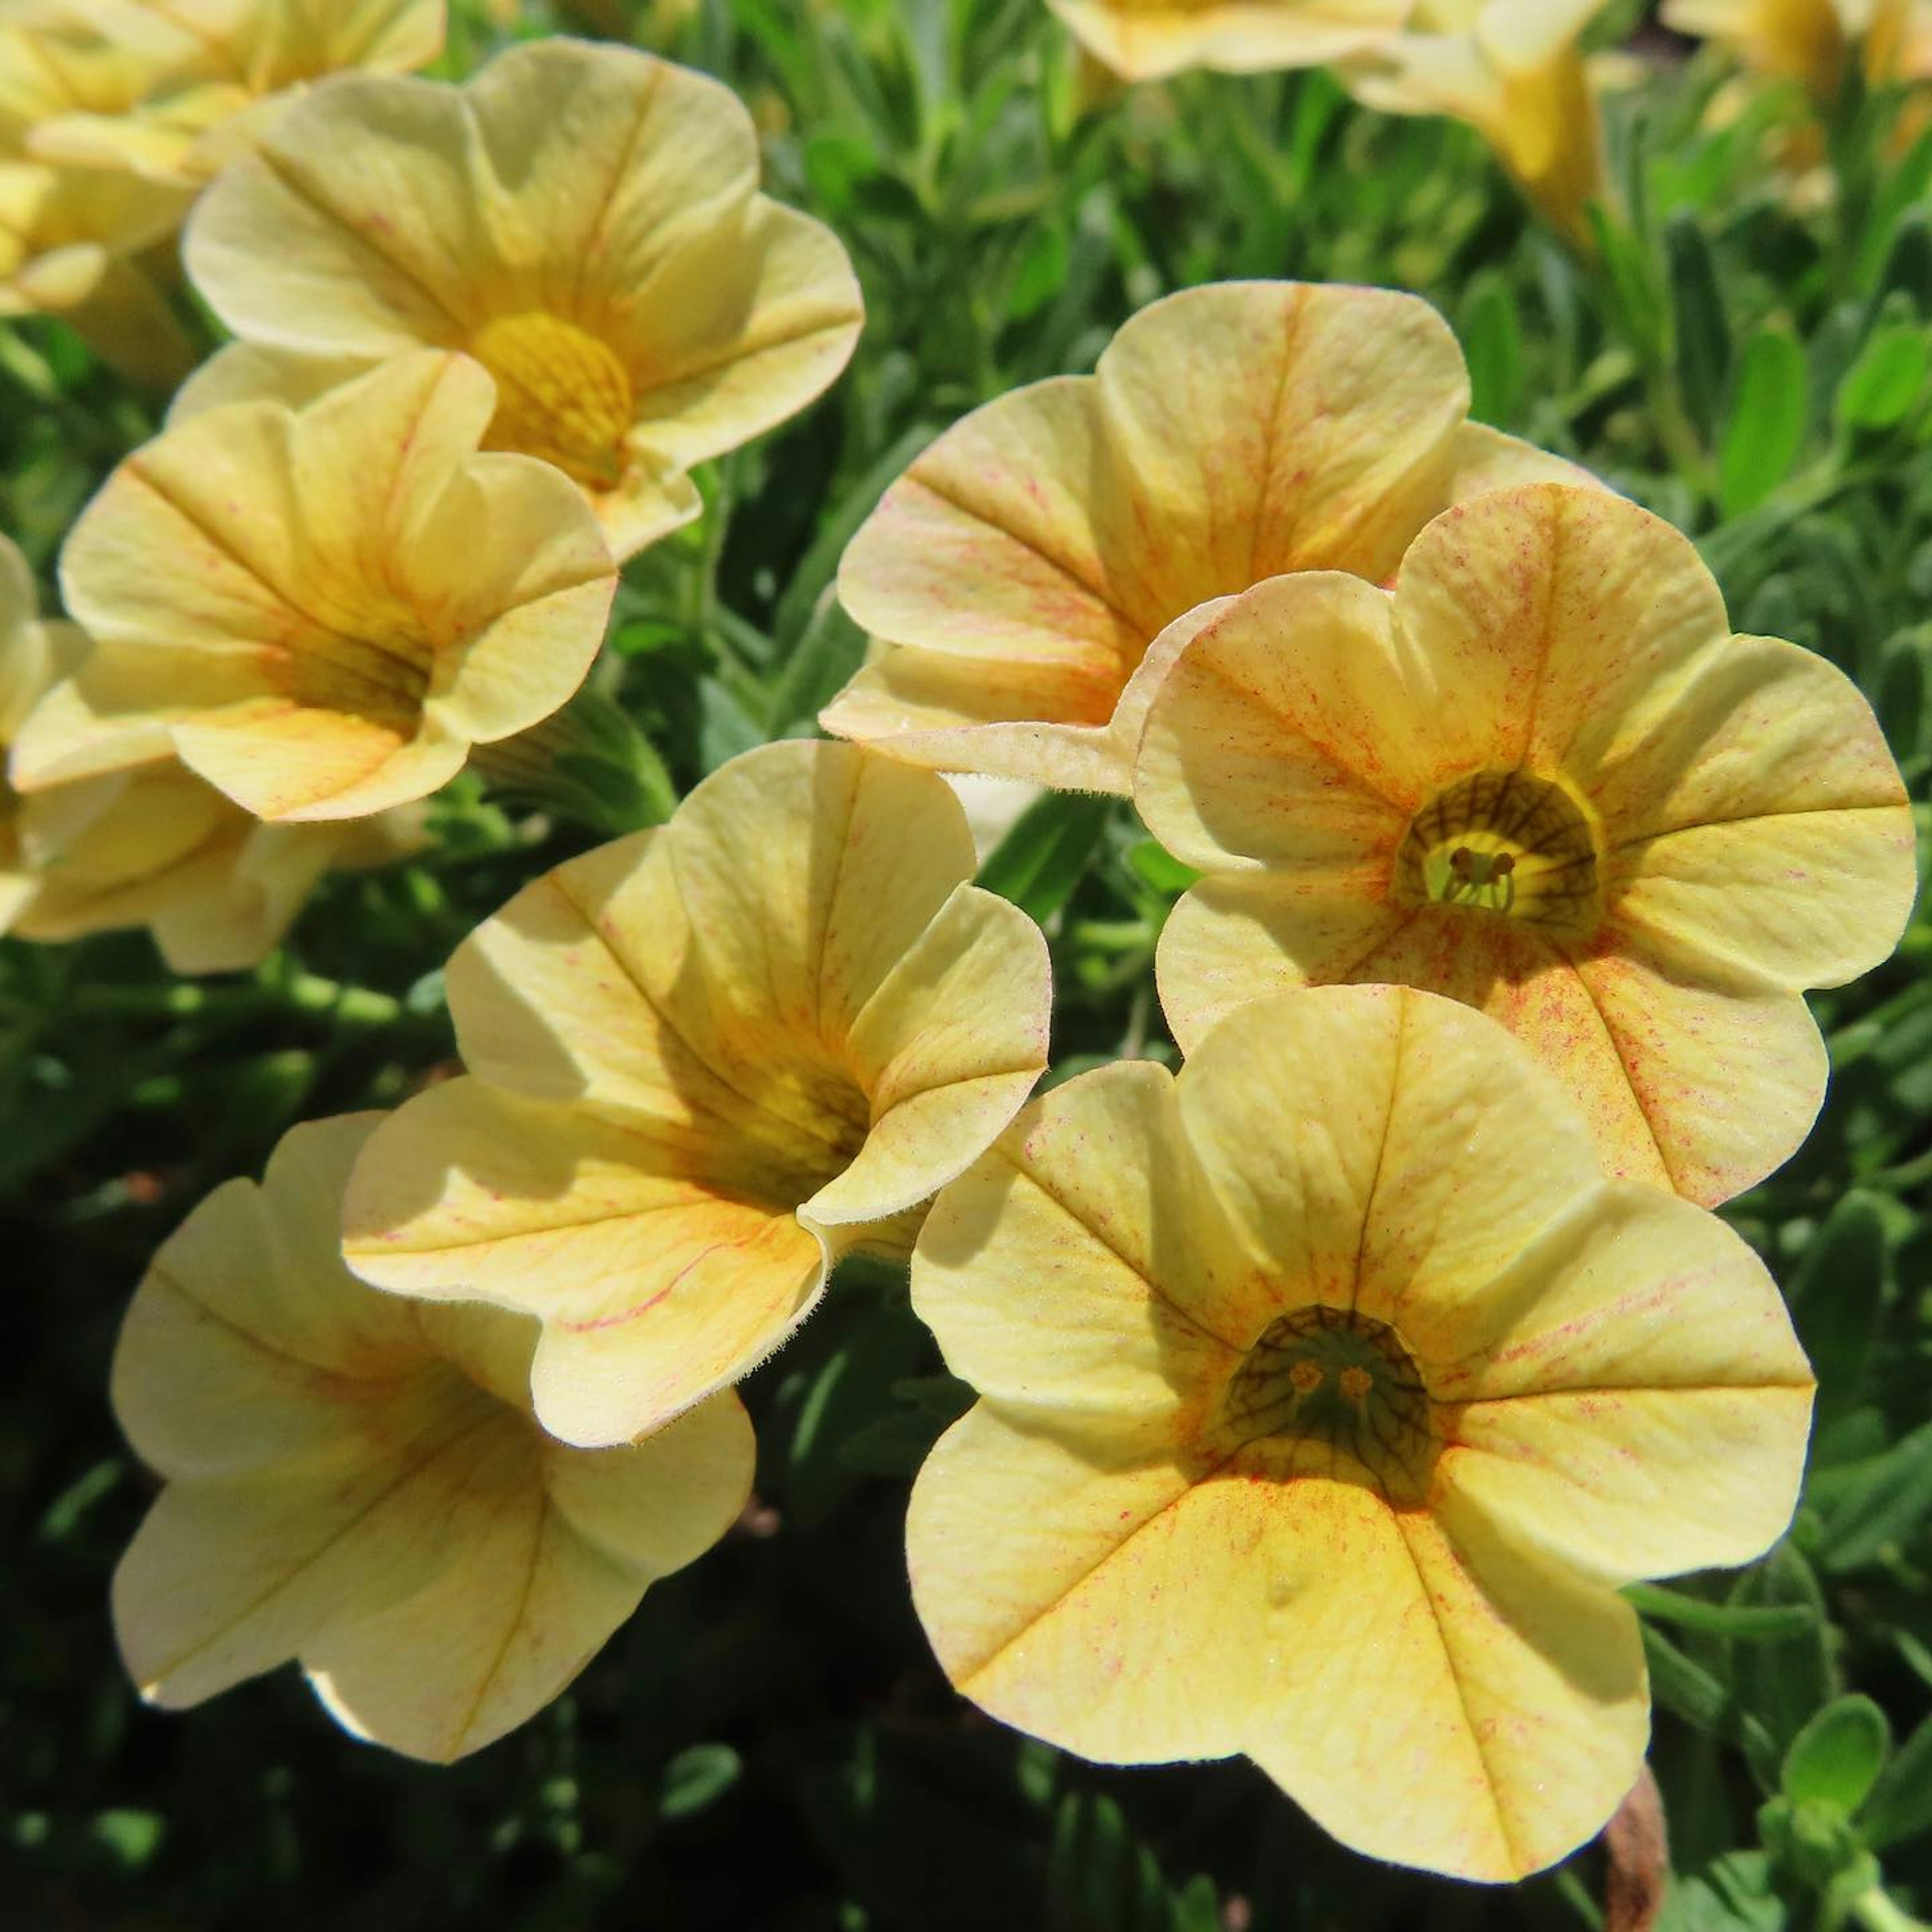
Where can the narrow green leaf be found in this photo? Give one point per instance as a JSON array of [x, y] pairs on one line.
[[1836, 1758], [696, 1778], [1877, 1504], [1881, 387], [1839, 1292], [1901, 1803], [1745, 1623], [1769, 405], [1040, 861], [1492, 345], [1703, 332], [1782, 1681]]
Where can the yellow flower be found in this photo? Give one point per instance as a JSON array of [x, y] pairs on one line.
[[1328, 1392], [1018, 575], [151, 845], [324, 608], [214, 72], [584, 220], [1811, 41], [1513, 71], [1147, 39], [69, 238], [1542, 777], [705, 1061], [356, 1482]]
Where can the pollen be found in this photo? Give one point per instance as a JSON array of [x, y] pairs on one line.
[[1507, 842], [562, 395]]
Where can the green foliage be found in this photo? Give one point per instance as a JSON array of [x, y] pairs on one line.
[[769, 1743]]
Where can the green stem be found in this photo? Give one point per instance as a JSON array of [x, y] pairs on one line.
[[1874, 1910], [300, 992]]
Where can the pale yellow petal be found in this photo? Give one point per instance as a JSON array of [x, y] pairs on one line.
[[246, 372], [806, 871], [945, 710], [1728, 1079], [1000, 542], [1081, 1269], [1286, 734], [533, 1595], [1266, 427], [1398, 1178], [1487, 459], [743, 326], [1065, 1589], [1467, 1705], [948, 1047], [1143, 42], [1554, 628], [1632, 1395], [656, 1286]]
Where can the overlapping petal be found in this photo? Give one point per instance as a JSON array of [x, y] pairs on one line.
[[321, 609], [1734, 824], [1437, 1667], [705, 1059], [584, 220], [1018, 575], [356, 1482]]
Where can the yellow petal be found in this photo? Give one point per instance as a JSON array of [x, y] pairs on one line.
[[1761, 830], [741, 329], [656, 1286], [1035, 1565], [1559, 626], [1487, 459], [1467, 1705], [1634, 1397], [948, 1046], [1400, 1173], [1286, 734], [453, 1667], [1081, 1267], [1142, 42]]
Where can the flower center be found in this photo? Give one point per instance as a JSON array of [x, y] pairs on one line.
[[1326, 1393], [561, 395], [1507, 842]]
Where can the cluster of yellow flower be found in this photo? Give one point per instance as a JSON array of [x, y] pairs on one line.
[[1513, 69], [1329, 1388]]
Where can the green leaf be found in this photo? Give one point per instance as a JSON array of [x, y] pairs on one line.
[[1782, 1682], [696, 1778], [1492, 346], [1839, 1292], [1883, 386], [1744, 1623], [1770, 404], [1703, 332], [1159, 868], [1044, 857], [1868, 1508], [1901, 1803], [1836, 1758]]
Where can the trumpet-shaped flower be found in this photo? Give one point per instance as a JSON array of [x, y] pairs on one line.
[[1148, 40], [1812, 41], [216, 71], [1327, 1392], [1542, 777], [1513, 71], [152, 845], [356, 1482], [323, 609], [705, 1060], [1017, 575], [584, 220]]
